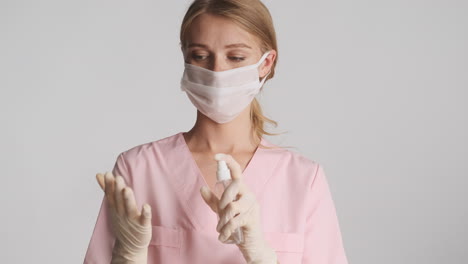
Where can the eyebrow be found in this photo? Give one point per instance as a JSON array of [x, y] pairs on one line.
[[236, 45]]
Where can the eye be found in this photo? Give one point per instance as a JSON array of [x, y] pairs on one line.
[[237, 59], [198, 57]]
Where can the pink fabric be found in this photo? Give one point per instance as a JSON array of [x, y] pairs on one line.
[[298, 214]]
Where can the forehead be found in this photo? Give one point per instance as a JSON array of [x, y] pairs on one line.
[[216, 32]]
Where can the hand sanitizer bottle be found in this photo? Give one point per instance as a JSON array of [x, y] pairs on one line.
[[223, 181]]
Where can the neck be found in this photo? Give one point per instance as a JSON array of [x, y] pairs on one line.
[[236, 136]]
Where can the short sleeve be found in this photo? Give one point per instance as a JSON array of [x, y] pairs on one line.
[[323, 242], [102, 239]]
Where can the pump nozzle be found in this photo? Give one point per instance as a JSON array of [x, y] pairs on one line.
[[223, 172]]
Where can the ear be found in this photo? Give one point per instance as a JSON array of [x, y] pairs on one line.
[[268, 63]]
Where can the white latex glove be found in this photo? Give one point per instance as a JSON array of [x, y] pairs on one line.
[[132, 229], [244, 213]]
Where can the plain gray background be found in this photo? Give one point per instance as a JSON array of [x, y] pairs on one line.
[[375, 91]]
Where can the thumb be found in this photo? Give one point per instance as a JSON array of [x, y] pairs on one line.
[[209, 198], [101, 181], [145, 218]]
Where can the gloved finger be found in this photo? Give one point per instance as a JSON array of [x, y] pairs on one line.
[[235, 208], [230, 194], [130, 203], [230, 226], [145, 217], [234, 167], [243, 219], [100, 180], [210, 198], [231, 210], [109, 181], [119, 202]]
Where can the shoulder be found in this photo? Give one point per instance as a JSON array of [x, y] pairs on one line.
[[294, 163], [291, 158], [156, 147]]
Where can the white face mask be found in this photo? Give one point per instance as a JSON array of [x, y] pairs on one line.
[[222, 96]]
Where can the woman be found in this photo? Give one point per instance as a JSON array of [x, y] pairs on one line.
[[278, 198]]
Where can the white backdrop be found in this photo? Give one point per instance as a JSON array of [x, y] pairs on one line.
[[375, 91]]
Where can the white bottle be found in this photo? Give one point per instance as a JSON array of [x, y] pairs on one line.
[[224, 179]]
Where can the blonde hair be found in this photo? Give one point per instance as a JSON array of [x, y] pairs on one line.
[[254, 17]]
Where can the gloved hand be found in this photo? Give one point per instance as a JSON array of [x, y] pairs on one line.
[[244, 213], [132, 229]]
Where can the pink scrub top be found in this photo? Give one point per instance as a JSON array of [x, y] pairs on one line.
[[298, 215]]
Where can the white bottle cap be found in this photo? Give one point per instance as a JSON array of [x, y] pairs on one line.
[[223, 172]]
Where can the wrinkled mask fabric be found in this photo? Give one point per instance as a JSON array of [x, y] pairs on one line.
[[222, 95]]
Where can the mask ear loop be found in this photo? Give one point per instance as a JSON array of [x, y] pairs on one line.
[[264, 79], [263, 58]]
